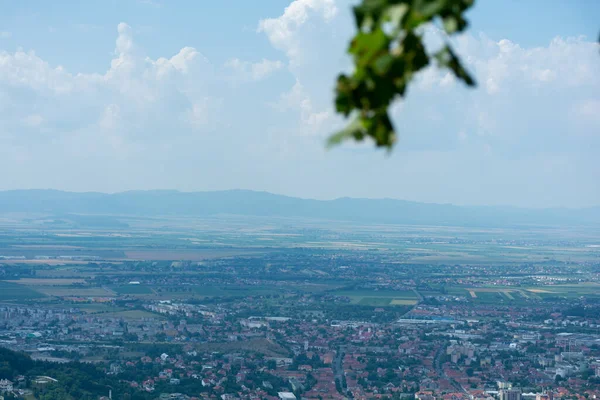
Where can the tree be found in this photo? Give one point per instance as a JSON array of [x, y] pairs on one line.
[[388, 51]]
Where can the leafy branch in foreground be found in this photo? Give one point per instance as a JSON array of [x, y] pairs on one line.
[[388, 51]]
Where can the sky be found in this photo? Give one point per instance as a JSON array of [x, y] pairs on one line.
[[116, 95]]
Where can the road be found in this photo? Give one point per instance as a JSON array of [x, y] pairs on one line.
[[437, 363], [419, 296], [338, 367]]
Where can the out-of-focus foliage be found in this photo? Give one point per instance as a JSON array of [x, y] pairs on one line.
[[388, 51]]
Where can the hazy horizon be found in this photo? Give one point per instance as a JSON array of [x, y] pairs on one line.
[[297, 197]]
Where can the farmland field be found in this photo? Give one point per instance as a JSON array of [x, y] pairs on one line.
[[403, 302], [379, 297], [264, 346], [235, 291], [375, 301], [12, 291], [132, 289], [588, 289], [185, 254], [130, 314], [48, 282], [518, 294], [69, 291]]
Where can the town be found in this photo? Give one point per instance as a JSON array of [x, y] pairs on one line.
[[366, 320]]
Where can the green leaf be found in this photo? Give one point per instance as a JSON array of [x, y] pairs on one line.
[[429, 8], [448, 59], [343, 99], [388, 51], [450, 24], [366, 46], [395, 14], [383, 64], [353, 131]]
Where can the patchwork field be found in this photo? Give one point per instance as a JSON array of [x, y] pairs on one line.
[[363, 297], [189, 255], [264, 346], [403, 302], [235, 291], [587, 289], [58, 291], [512, 294], [491, 294], [130, 314], [48, 282], [132, 289], [12, 291], [379, 298]]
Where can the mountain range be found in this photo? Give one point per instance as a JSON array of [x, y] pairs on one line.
[[252, 203]]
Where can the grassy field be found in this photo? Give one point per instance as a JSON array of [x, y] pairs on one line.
[[259, 345], [204, 291], [58, 291], [132, 289], [131, 314], [491, 295], [385, 301], [185, 254], [522, 295], [379, 298], [12, 291], [403, 302], [375, 301], [586, 289], [48, 281]]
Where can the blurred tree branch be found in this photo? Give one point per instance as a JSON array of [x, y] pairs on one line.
[[388, 51]]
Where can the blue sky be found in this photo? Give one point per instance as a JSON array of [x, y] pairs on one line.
[[202, 95]]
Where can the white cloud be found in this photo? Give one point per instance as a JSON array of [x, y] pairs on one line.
[[5, 35], [447, 80], [26, 69], [312, 34], [544, 75], [110, 118], [524, 97], [282, 31], [179, 63], [313, 121], [588, 111], [137, 97], [564, 62], [125, 61], [246, 70], [202, 112]]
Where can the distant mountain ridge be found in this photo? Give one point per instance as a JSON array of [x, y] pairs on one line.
[[252, 203]]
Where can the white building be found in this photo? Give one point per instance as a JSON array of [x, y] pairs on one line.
[[5, 385], [286, 396], [510, 394]]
